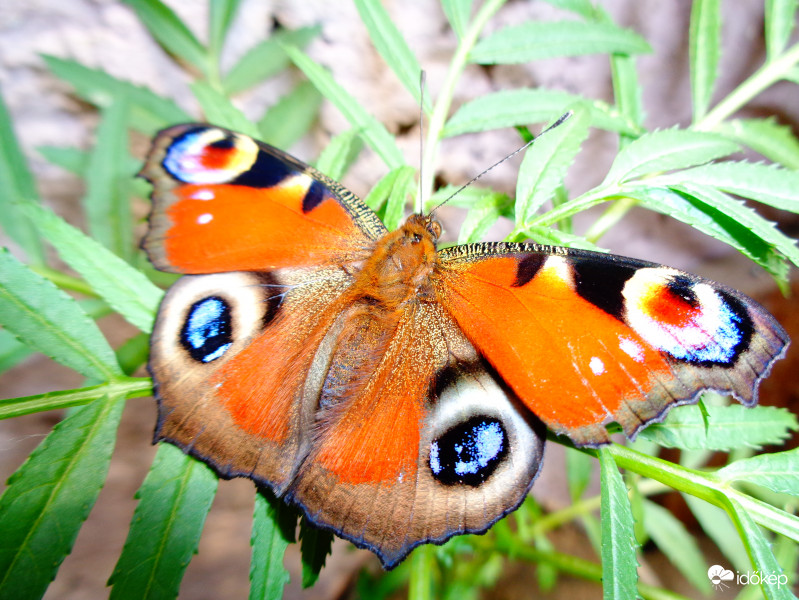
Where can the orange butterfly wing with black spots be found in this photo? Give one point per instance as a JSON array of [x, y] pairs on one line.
[[394, 391]]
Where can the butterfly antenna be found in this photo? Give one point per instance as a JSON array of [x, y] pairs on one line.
[[419, 201], [499, 162]]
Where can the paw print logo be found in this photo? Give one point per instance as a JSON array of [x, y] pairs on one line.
[[718, 575]]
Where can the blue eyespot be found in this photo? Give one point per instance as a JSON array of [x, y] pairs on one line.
[[207, 333], [469, 452]]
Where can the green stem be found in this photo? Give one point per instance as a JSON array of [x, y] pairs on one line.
[[768, 74], [444, 101], [420, 586], [65, 282], [609, 218]]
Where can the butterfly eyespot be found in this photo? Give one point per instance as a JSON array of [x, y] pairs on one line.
[[207, 333], [469, 452]]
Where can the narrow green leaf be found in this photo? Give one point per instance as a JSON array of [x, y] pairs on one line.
[[170, 32], [17, 185], [780, 21], [370, 128], [619, 565], [584, 8], [579, 469], [50, 496], [774, 141], [545, 164], [127, 388], [627, 90], [403, 188], [535, 40], [377, 196], [73, 160], [778, 472], [759, 550], [222, 13], [51, 322], [677, 544], [124, 288], [731, 427], [483, 215], [512, 108], [220, 110], [458, 13], [165, 530], [291, 117], [274, 523], [667, 150], [389, 42], [149, 111], [12, 352], [266, 59], [717, 525], [107, 200], [704, 37], [315, 546], [339, 154], [555, 237], [767, 184]]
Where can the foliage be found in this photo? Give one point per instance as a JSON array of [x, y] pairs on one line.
[[670, 172]]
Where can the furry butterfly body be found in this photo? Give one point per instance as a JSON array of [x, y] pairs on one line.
[[398, 393]]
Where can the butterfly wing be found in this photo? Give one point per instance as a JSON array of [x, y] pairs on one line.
[[585, 338], [225, 202]]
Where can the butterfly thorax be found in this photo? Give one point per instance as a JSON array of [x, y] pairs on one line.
[[399, 269]]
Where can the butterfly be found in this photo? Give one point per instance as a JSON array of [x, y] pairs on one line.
[[397, 392]]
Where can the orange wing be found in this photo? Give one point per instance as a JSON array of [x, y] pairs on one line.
[[586, 338], [225, 202]]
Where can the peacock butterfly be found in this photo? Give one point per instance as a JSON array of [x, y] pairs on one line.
[[396, 392]]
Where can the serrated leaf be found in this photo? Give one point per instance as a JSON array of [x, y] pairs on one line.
[[555, 237], [774, 141], [51, 495], [370, 128], [222, 13], [274, 523], [704, 43], [778, 472], [718, 527], [545, 164], [291, 116], [339, 154], [315, 545], [107, 200], [124, 288], [170, 32], [731, 427], [512, 108], [665, 151], [50, 321], [148, 111], [266, 59], [677, 544], [619, 565], [165, 530], [483, 215], [12, 352], [627, 90], [535, 40], [220, 110], [458, 13], [780, 20]]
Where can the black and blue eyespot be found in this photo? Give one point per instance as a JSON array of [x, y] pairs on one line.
[[207, 333], [469, 452]]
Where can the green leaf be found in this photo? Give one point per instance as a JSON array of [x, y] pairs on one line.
[[124, 288], [458, 13], [165, 530], [17, 185], [780, 21], [291, 116], [731, 427], [222, 13], [389, 42], [627, 90], [170, 32], [12, 352], [619, 565], [375, 134], [266, 59], [579, 469], [717, 525], [535, 40], [315, 546], [512, 108], [148, 111], [778, 472], [107, 200], [274, 523], [584, 8], [339, 154], [403, 188], [555, 237], [73, 160], [128, 388], [774, 141], [220, 110], [483, 215], [50, 496], [545, 164], [704, 50], [50, 321], [387, 197], [665, 151], [677, 544]]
